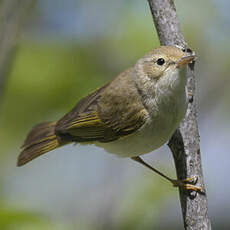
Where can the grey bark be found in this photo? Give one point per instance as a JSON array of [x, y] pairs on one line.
[[12, 16], [185, 143]]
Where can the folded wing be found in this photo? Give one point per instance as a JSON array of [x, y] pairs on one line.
[[108, 113]]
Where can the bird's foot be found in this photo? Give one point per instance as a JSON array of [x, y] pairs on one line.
[[188, 184]]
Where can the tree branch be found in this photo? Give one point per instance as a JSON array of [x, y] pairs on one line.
[[185, 143]]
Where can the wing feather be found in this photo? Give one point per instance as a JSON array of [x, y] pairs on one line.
[[106, 114]]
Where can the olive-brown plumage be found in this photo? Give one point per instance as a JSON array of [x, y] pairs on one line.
[[135, 106]]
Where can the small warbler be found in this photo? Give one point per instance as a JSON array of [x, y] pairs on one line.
[[134, 114]]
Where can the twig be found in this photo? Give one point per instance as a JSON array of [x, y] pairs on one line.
[[185, 143]]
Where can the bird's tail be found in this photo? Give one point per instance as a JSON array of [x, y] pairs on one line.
[[41, 139]]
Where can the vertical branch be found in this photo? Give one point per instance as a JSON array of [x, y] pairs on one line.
[[185, 143], [12, 16]]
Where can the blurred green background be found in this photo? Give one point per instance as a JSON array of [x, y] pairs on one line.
[[66, 50]]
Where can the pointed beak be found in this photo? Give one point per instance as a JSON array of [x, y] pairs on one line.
[[185, 60]]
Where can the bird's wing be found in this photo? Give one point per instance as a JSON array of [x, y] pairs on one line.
[[108, 113]]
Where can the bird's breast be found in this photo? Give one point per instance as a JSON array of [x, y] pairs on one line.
[[158, 128]]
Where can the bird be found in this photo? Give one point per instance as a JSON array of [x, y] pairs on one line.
[[135, 113]]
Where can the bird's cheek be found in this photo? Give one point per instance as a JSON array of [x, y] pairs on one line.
[[150, 71], [156, 74]]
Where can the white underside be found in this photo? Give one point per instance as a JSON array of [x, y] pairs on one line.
[[154, 133], [141, 142], [164, 117]]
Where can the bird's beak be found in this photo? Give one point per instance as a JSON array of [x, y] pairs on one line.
[[185, 60]]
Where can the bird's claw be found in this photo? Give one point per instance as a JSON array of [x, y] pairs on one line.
[[188, 184]]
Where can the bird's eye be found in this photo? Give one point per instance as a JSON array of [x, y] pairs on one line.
[[160, 61]]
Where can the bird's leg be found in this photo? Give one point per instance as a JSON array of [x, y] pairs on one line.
[[186, 183]]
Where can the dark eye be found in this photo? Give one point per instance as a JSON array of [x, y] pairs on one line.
[[160, 61]]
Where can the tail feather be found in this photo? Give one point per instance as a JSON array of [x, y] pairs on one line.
[[39, 133], [41, 139]]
